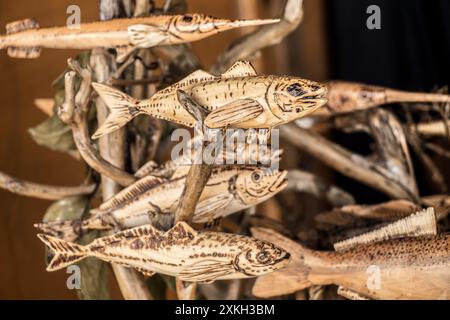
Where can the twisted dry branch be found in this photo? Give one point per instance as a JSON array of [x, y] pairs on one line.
[[344, 161], [267, 36], [41, 191], [74, 112]]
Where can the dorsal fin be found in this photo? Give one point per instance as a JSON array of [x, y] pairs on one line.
[[21, 25], [240, 69], [192, 79], [422, 223], [197, 76], [130, 193], [181, 230], [146, 230]]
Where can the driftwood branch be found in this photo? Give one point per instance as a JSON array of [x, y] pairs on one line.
[[74, 111], [393, 156], [306, 182], [344, 161], [196, 180], [346, 97], [41, 191], [266, 36], [198, 174]]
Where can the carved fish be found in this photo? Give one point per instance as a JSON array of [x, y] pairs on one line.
[[406, 268], [239, 98], [152, 200], [181, 252], [25, 39]]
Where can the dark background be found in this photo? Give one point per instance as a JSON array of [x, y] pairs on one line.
[[410, 52]]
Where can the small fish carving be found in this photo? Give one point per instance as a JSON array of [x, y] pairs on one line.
[[239, 98], [405, 268], [153, 200], [25, 39], [181, 252]]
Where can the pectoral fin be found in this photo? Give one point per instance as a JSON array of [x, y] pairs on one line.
[[146, 36], [206, 271], [211, 208], [234, 113]]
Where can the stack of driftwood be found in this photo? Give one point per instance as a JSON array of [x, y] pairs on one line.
[[205, 229]]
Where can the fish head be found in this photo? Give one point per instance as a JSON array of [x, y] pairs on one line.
[[260, 257], [192, 27], [293, 98], [254, 186]]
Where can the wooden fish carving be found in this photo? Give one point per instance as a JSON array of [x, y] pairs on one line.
[[407, 268], [181, 252], [25, 39], [239, 98], [153, 200]]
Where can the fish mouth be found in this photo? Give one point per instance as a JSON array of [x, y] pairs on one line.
[[283, 261], [280, 183], [316, 99]]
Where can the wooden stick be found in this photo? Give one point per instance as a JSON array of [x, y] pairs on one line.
[[41, 191], [45, 105], [266, 36], [198, 174]]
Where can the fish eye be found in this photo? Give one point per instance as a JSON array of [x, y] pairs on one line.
[[295, 90], [298, 109], [256, 176], [188, 18], [263, 256]]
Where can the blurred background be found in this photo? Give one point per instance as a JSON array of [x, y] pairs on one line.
[[409, 52]]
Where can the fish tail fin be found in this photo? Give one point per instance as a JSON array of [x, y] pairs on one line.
[[68, 230], [123, 109], [294, 277], [66, 253]]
